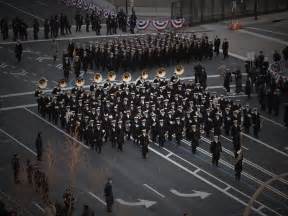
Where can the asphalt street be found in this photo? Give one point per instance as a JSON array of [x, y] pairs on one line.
[[172, 180]]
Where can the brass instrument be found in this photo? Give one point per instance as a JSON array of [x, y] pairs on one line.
[[42, 83], [97, 78], [179, 70], [126, 77], [161, 72], [62, 83], [80, 82], [144, 74], [111, 76]]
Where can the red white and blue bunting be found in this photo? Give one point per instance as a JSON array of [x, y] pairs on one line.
[[160, 24], [143, 24], [177, 23]]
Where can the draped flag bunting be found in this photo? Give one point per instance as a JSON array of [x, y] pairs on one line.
[[177, 23], [160, 25], [142, 24]]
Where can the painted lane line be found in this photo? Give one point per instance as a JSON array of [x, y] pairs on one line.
[[18, 142], [265, 30], [227, 188], [265, 144], [154, 190], [38, 206], [168, 155], [55, 127], [276, 191], [264, 37], [23, 11], [210, 183], [97, 198], [18, 107], [197, 170], [272, 121]]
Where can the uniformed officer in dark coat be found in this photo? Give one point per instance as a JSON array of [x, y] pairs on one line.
[[215, 149], [18, 51], [35, 29], [16, 168], [120, 136], [256, 121], [238, 165], [108, 193], [217, 43], [225, 48], [39, 146], [285, 117], [195, 137], [144, 142]]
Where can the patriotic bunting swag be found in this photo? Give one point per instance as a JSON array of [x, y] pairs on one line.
[[177, 23], [142, 24], [160, 25]]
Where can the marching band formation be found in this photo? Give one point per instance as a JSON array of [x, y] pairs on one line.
[[157, 111], [139, 52]]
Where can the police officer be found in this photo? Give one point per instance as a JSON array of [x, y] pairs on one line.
[[215, 149], [35, 29], [18, 51], [16, 168], [238, 165], [225, 48], [39, 146], [108, 193], [144, 142]]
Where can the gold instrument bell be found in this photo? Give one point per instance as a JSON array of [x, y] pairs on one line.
[[144, 74], [80, 82], [97, 78], [179, 70], [161, 72], [126, 77], [111, 76], [62, 83], [42, 83]]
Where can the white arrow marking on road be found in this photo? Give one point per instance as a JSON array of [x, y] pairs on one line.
[[141, 202], [41, 59], [59, 66], [22, 73], [3, 65], [200, 194]]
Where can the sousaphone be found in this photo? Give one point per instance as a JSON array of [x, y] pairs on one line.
[[126, 77], [161, 72], [62, 83], [144, 74], [42, 83], [179, 70], [80, 82], [97, 78], [111, 76]]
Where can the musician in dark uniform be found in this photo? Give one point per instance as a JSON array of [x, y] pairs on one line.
[[215, 149], [235, 133], [162, 132], [195, 137], [238, 165], [120, 136], [179, 125], [144, 142], [256, 121]]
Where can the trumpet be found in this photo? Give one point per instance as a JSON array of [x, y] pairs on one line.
[[161, 72], [126, 77], [62, 83], [80, 82], [97, 78], [111, 76], [179, 70], [42, 83]]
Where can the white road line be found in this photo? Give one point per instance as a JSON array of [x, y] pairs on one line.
[[276, 191], [264, 37], [197, 170], [18, 142], [18, 107], [97, 198], [227, 188], [269, 31], [266, 145], [23, 11], [17, 94], [155, 191], [210, 183], [272, 121], [55, 127], [168, 155], [39, 207]]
